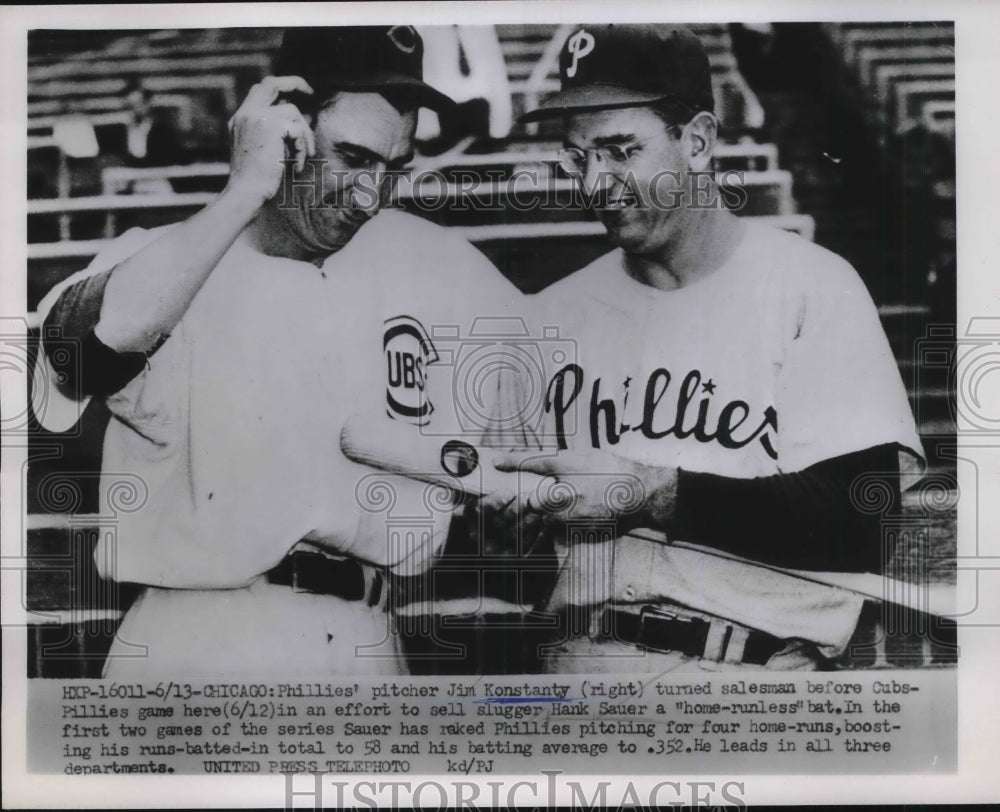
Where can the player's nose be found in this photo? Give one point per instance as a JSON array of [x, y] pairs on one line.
[[596, 176], [365, 191]]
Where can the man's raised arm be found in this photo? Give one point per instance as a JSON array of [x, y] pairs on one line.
[[148, 294]]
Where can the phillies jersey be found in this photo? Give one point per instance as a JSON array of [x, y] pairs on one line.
[[762, 366], [767, 365]]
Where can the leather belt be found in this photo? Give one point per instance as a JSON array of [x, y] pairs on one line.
[[657, 628], [345, 578]]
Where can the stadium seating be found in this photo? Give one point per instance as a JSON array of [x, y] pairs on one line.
[[871, 57], [901, 66], [178, 45], [139, 67], [939, 115], [852, 37], [211, 88], [97, 105], [749, 157], [913, 94]]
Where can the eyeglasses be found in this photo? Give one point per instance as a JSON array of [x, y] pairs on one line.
[[613, 157]]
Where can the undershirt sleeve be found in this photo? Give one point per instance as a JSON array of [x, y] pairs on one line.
[[86, 365], [809, 520]]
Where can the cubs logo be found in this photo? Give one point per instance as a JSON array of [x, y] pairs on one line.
[[578, 46], [403, 37], [408, 353]]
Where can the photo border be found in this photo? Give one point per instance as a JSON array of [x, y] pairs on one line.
[[978, 184]]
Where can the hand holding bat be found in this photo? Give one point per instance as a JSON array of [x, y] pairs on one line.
[[519, 489], [595, 486], [453, 463]]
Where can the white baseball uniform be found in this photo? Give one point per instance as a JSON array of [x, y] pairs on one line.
[[769, 364], [234, 429]]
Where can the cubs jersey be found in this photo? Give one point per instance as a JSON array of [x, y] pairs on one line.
[[234, 426]]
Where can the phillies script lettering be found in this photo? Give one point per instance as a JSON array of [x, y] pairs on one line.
[[733, 427]]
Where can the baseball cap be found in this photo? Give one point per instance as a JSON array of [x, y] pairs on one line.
[[359, 58], [606, 66]]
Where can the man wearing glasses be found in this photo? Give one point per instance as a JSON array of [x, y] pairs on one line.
[[232, 347], [732, 380]]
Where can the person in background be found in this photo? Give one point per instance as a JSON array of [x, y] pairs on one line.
[[467, 63], [150, 137]]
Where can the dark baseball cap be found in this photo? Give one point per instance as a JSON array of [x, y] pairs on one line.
[[608, 66], [367, 58]]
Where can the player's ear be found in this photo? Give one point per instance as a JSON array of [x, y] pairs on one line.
[[703, 132]]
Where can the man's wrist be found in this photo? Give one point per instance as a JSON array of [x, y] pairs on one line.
[[659, 498], [243, 200]]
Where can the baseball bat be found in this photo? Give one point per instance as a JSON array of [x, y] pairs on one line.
[[451, 462], [931, 598], [465, 468]]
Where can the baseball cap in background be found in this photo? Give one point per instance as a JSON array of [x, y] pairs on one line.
[[359, 58], [607, 66]]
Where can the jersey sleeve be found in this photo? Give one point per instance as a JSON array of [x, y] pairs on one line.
[[68, 315], [839, 388]]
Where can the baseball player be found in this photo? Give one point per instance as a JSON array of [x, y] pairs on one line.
[[734, 376], [232, 347]]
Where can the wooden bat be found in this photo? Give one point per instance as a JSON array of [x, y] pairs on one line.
[[452, 462], [939, 599], [465, 468]]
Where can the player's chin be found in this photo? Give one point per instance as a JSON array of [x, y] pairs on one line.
[[623, 234], [332, 233]]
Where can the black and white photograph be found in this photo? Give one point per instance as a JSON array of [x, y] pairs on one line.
[[531, 392]]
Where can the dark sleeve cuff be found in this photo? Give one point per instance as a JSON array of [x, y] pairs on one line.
[[84, 365], [92, 368], [804, 520], [78, 308]]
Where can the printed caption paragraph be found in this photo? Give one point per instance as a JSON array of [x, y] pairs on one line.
[[769, 723]]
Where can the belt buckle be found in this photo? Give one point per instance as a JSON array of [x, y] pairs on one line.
[[660, 613], [302, 558], [650, 615], [377, 590], [298, 556], [306, 562], [374, 588]]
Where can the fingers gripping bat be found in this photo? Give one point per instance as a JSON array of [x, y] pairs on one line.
[[468, 469], [452, 463]]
